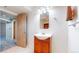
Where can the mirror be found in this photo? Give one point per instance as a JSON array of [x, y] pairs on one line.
[[44, 20]]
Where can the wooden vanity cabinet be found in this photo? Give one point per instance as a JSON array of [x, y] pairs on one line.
[[71, 13], [42, 46]]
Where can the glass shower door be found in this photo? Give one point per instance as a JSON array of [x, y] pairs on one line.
[[6, 40], [2, 34]]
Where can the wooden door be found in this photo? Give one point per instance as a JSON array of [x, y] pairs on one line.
[[21, 30]]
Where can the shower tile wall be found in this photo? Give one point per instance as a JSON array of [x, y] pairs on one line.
[[3, 30], [6, 40], [2, 35], [9, 31]]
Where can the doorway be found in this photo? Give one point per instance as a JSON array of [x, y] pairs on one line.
[[6, 35]]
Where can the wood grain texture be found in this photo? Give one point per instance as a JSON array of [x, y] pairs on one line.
[[42, 46], [71, 13], [20, 32]]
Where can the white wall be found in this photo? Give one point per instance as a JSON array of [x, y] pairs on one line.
[[73, 38], [73, 33], [58, 28]]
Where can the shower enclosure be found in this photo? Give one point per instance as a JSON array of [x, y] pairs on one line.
[[6, 31]]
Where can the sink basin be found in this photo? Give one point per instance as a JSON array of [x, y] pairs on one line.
[[42, 36]]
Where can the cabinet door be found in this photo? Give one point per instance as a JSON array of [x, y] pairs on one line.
[[71, 13], [41, 46], [46, 46], [37, 45]]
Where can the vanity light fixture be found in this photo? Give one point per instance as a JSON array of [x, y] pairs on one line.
[[43, 10]]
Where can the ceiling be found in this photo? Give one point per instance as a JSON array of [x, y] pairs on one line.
[[23, 9], [17, 9], [20, 9]]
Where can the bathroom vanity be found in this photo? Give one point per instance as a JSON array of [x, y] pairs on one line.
[[42, 43]]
